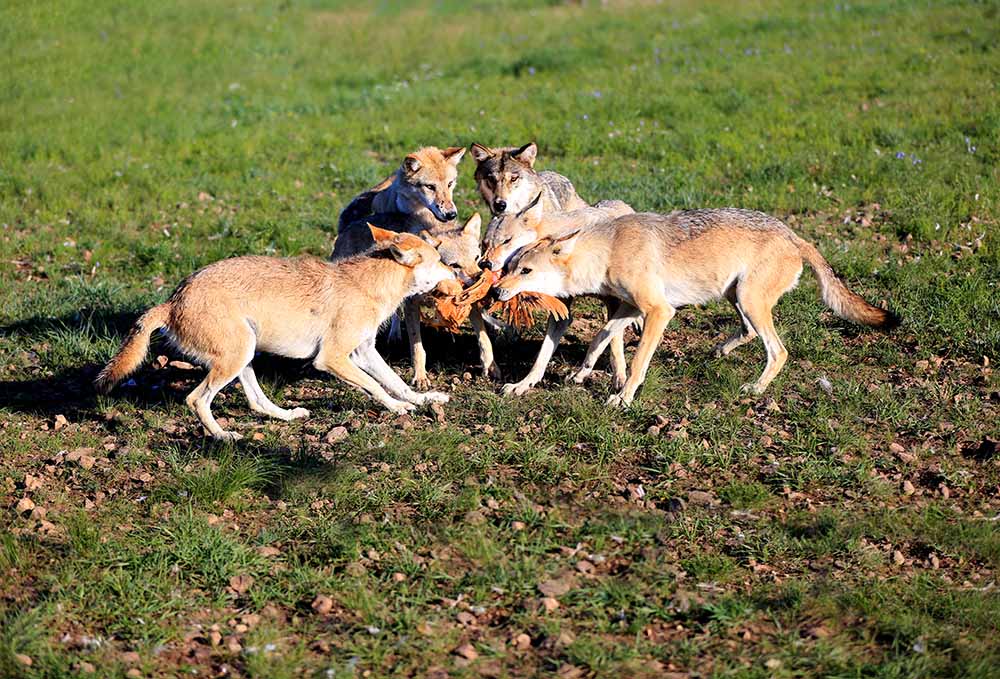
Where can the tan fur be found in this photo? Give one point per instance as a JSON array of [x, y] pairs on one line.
[[508, 182], [300, 307], [402, 202], [418, 196], [509, 233], [656, 263]]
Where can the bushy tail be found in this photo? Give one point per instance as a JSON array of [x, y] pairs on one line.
[[361, 206], [838, 297], [133, 350]]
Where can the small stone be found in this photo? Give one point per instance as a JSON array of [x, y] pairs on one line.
[[233, 645], [700, 497], [935, 561], [23, 659], [908, 488], [555, 588], [86, 667], [898, 558], [32, 482], [398, 577], [467, 651], [134, 673], [241, 583], [215, 637], [24, 505], [336, 435], [522, 642], [322, 604], [517, 525], [60, 423], [549, 604], [258, 436]]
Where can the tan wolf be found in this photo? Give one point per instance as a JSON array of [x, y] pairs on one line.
[[657, 263], [509, 233], [418, 198], [301, 307], [508, 182]]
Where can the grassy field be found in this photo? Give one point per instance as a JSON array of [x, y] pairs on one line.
[[843, 524]]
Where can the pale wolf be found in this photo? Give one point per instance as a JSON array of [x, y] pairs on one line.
[[301, 307], [418, 198], [656, 263]]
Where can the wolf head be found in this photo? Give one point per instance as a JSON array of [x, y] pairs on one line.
[[427, 181], [506, 177], [422, 260], [506, 234], [459, 248], [544, 266]]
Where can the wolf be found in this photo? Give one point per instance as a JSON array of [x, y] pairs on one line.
[[418, 195], [301, 307], [656, 263], [508, 182], [419, 198], [510, 233]]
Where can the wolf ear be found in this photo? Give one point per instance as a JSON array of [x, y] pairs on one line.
[[405, 254], [534, 208], [430, 239], [472, 227], [526, 154], [480, 152], [411, 163], [564, 243], [382, 236], [453, 154]]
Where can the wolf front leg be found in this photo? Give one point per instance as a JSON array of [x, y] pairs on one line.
[[337, 360], [489, 365], [611, 333], [411, 311], [553, 333], [368, 359]]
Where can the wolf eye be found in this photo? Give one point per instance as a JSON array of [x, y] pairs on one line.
[[525, 271], [514, 178], [430, 187]]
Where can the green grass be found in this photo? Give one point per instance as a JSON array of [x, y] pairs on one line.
[[749, 537]]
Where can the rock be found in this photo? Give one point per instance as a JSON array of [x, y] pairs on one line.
[[908, 488], [32, 482], [336, 435], [134, 673], [24, 505], [517, 525], [898, 558], [555, 588], [131, 658], [700, 497], [215, 637], [268, 550], [398, 577], [522, 642], [322, 604], [24, 660], [467, 651], [549, 604], [85, 667], [241, 583], [60, 423]]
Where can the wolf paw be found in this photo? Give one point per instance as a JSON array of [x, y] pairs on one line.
[[618, 401], [421, 382], [752, 388], [433, 397], [401, 407], [227, 437], [298, 413], [516, 389], [580, 376], [618, 382]]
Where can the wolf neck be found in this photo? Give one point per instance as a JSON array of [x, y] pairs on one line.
[[391, 200], [389, 283], [586, 271]]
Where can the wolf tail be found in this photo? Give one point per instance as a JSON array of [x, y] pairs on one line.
[[361, 206], [133, 349], [838, 297]]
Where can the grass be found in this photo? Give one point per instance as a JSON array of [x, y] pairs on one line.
[[841, 525]]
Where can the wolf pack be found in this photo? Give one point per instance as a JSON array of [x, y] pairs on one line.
[[402, 240]]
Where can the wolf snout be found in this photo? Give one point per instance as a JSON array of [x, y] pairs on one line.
[[449, 215], [499, 205]]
